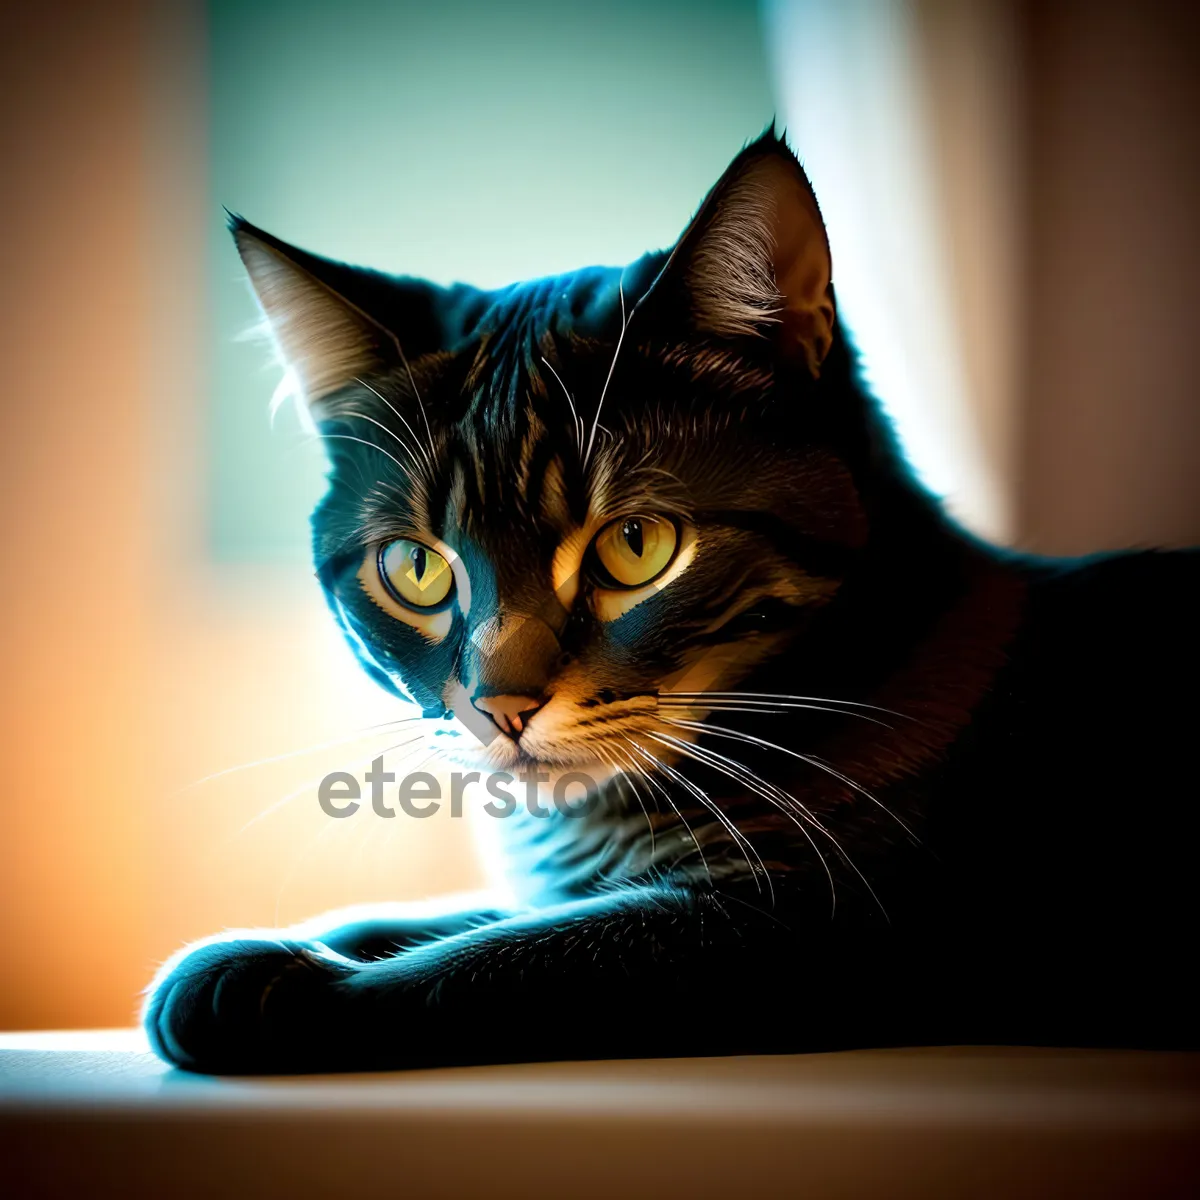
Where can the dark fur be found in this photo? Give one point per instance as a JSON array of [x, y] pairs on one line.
[[1022, 870]]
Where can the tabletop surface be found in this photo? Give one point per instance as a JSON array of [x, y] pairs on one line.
[[928, 1121]]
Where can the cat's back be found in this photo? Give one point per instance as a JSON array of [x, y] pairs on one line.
[[1097, 627], [1075, 794], [1104, 668]]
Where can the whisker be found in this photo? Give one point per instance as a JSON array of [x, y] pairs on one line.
[[728, 706], [739, 839], [420, 403], [623, 772], [363, 417], [367, 731], [401, 416], [611, 368], [304, 787], [737, 736], [740, 736], [779, 697], [571, 402], [656, 786], [355, 415], [769, 708], [345, 437], [781, 800]]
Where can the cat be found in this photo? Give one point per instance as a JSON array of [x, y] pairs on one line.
[[862, 779]]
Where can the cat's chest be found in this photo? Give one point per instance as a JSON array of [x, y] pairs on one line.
[[542, 854]]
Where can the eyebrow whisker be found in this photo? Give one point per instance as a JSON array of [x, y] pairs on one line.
[[571, 401], [611, 368], [400, 415]]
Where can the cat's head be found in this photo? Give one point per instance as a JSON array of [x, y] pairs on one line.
[[550, 503]]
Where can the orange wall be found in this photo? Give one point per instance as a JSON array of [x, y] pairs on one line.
[[73, 855], [131, 667]]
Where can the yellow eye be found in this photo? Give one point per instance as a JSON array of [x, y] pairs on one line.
[[414, 575], [635, 550]]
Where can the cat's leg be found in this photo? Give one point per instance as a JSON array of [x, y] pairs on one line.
[[651, 971], [375, 931], [235, 962]]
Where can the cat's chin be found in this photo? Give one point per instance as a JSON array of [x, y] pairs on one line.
[[503, 754]]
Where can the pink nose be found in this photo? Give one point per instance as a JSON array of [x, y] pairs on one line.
[[509, 712]]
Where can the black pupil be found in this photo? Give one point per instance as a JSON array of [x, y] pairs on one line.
[[418, 561], [633, 536]]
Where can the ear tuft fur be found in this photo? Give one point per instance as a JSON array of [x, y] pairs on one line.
[[729, 275], [324, 338], [756, 258]]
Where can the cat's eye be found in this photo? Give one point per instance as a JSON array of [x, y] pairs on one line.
[[634, 551], [414, 575]]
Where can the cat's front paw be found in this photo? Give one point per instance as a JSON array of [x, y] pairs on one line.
[[242, 1006]]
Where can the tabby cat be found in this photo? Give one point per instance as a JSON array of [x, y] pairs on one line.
[[861, 778]]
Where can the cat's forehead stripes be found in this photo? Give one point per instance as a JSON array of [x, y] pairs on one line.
[[722, 368]]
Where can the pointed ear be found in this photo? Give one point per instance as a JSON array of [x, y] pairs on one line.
[[755, 260], [323, 335]]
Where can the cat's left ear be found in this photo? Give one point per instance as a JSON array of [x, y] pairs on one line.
[[335, 323], [755, 260], [323, 335]]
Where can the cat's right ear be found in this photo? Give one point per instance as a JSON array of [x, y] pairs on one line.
[[335, 323], [754, 264]]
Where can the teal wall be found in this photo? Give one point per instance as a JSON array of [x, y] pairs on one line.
[[456, 140]]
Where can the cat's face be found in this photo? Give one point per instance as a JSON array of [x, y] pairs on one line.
[[561, 501]]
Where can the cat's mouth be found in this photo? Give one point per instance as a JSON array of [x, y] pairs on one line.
[[558, 735], [512, 752]]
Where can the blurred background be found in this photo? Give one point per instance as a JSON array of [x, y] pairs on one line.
[[1010, 189]]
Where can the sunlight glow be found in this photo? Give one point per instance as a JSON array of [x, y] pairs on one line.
[[287, 389], [118, 1041], [850, 93]]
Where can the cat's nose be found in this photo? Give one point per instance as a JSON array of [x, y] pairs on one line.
[[509, 712]]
